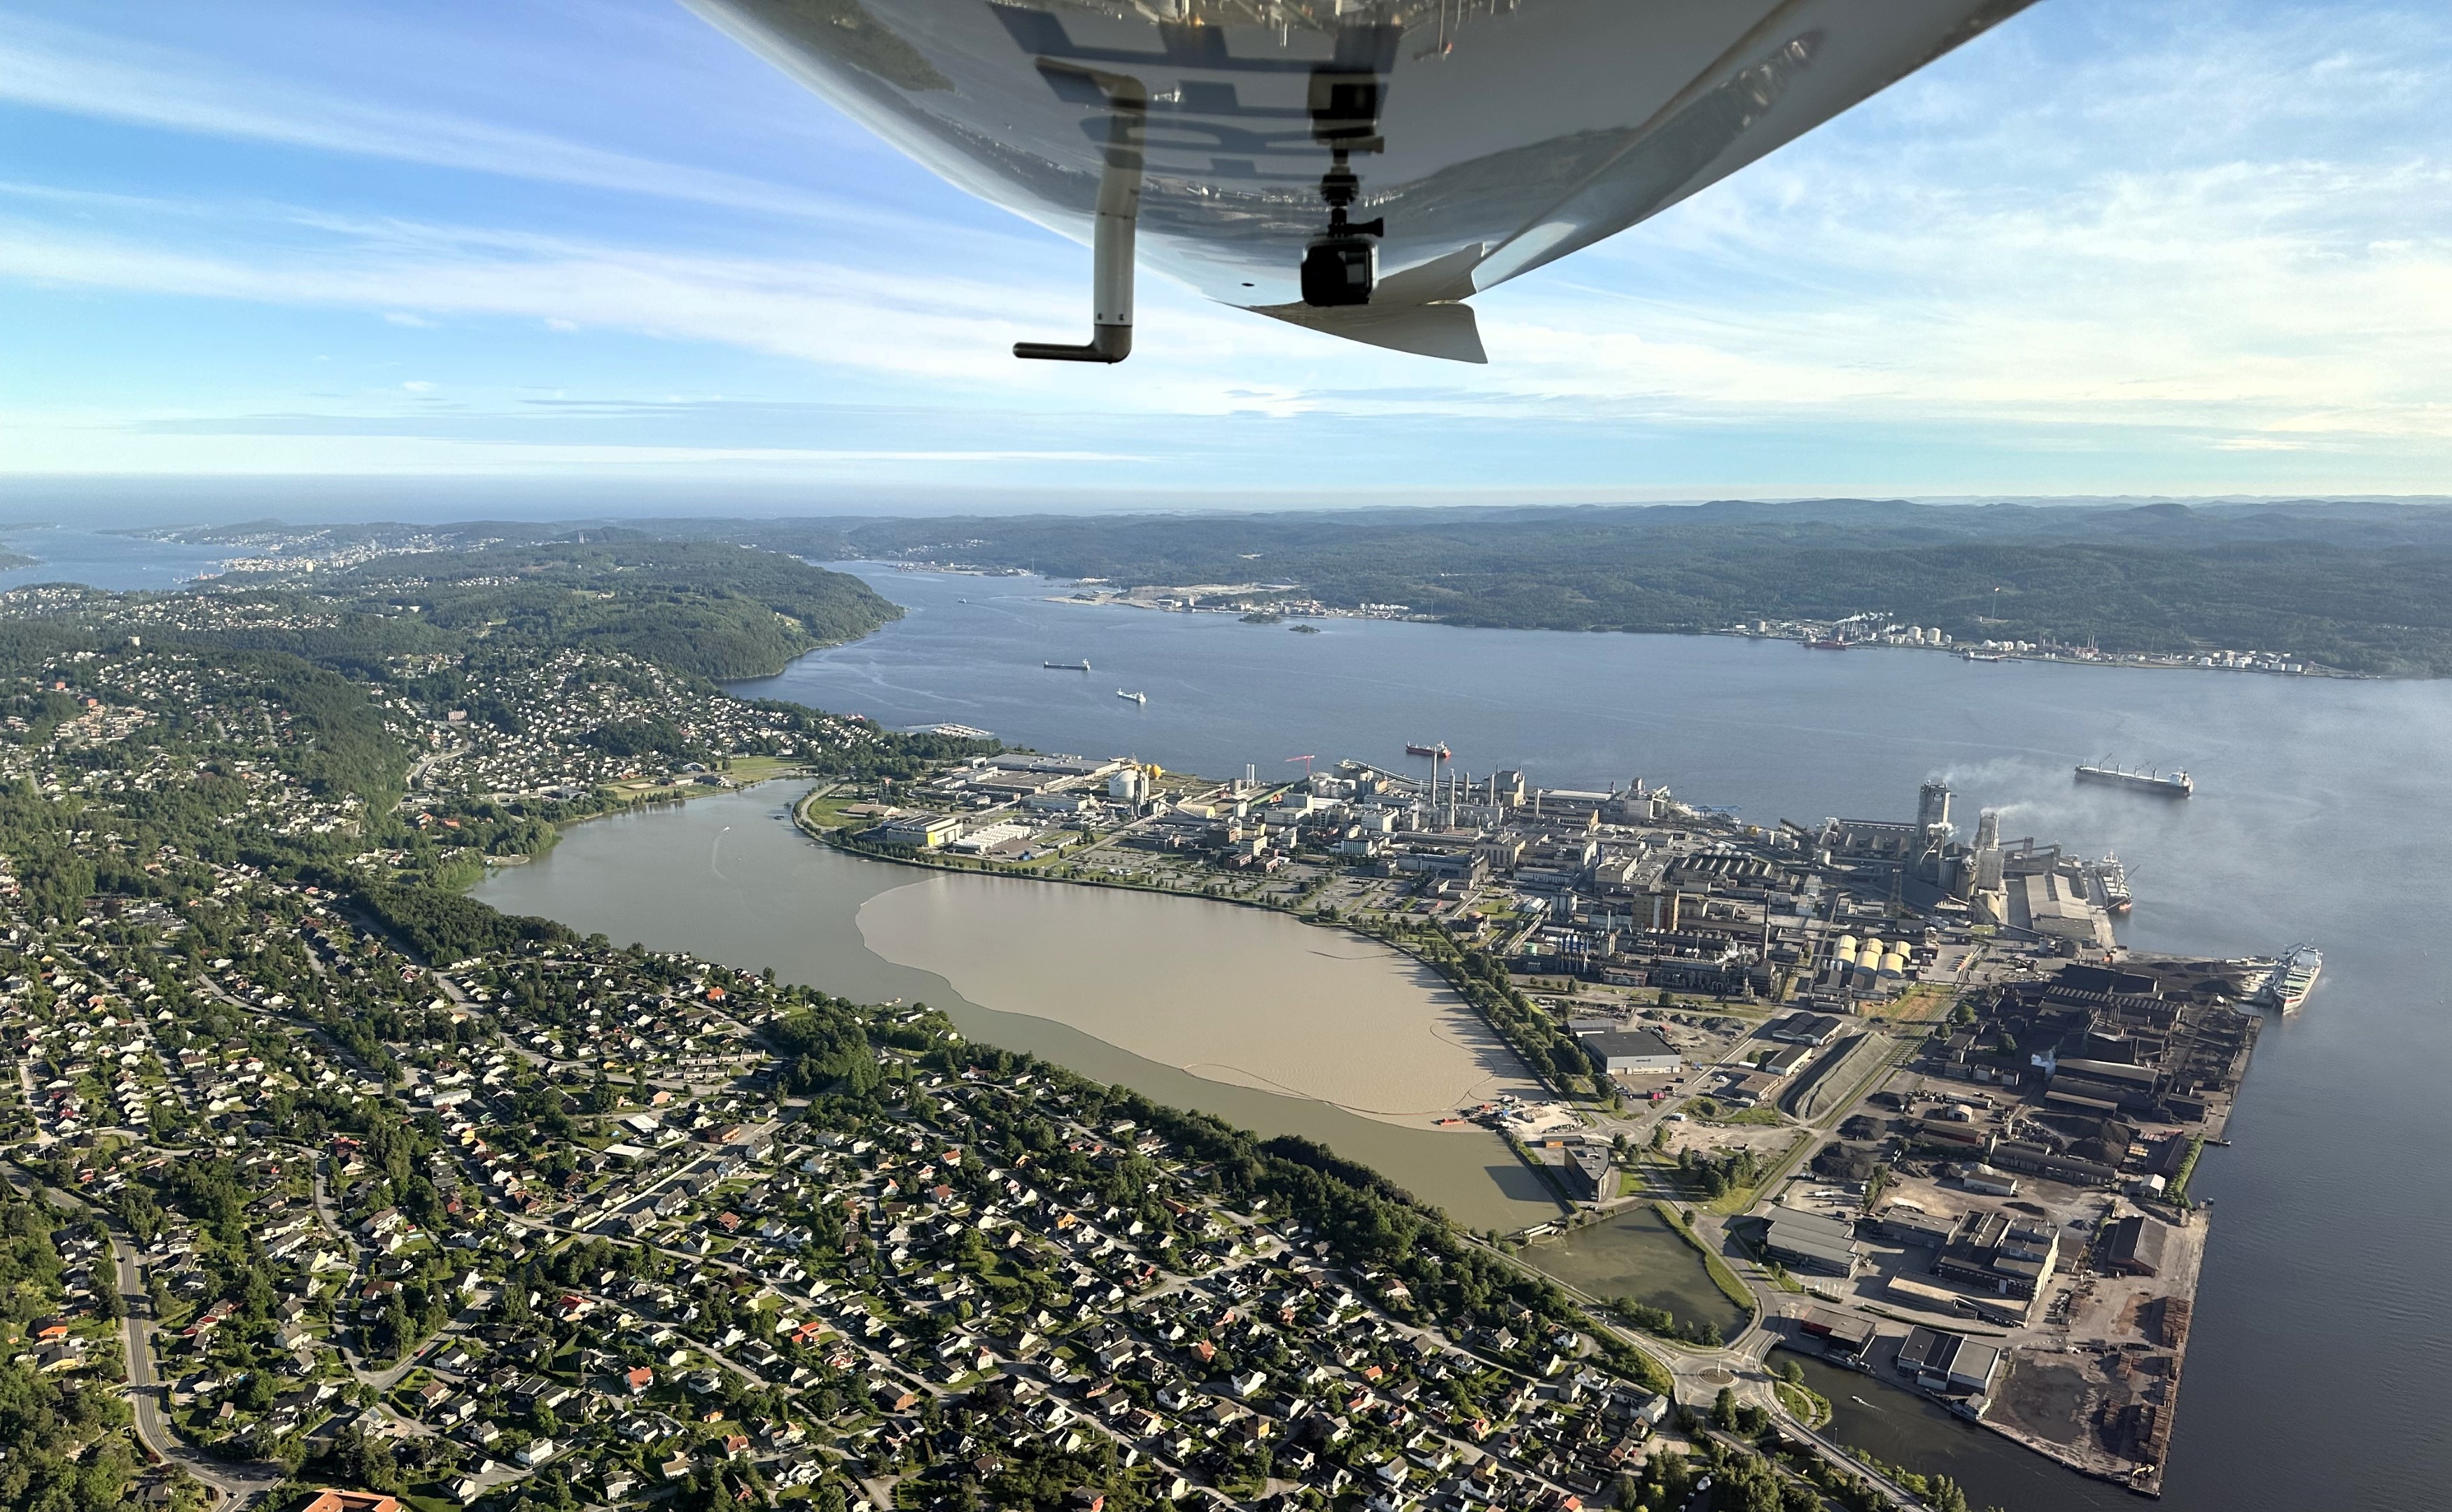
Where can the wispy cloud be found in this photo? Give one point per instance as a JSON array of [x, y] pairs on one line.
[[75, 72], [2218, 229]]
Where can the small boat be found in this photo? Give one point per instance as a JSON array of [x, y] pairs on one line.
[[1439, 750], [1066, 667], [1137, 698]]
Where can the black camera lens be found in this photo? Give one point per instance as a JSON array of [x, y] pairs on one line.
[[1338, 271]]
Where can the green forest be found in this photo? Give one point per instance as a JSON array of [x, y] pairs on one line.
[[698, 610], [702, 609]]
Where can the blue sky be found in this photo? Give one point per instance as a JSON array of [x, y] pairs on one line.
[[2195, 248]]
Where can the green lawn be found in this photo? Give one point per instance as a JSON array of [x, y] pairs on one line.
[[1767, 1117], [1742, 1198], [1807, 1405]]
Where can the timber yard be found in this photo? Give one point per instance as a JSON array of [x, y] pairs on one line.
[[1896, 1079]]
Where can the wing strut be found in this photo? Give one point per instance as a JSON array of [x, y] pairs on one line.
[[1110, 232]]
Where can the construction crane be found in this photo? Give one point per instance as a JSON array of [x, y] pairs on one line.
[[1306, 761]]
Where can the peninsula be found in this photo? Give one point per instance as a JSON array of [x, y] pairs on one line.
[[1900, 1084], [325, 1181]]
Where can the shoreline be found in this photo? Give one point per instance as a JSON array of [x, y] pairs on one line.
[[2141, 1479], [1354, 1025], [2141, 662], [2141, 1476], [836, 838]]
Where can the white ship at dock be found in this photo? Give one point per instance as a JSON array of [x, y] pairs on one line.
[[2108, 882], [2292, 978]]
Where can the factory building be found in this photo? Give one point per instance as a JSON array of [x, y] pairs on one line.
[[1632, 1052], [1815, 1029], [2056, 905], [918, 831], [1904, 1224], [1883, 838], [1812, 1242], [1948, 1361], [2135, 1248], [2042, 1160], [1588, 1174], [1840, 1333], [2008, 1256], [1932, 807]]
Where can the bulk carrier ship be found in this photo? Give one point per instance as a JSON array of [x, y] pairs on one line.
[[2111, 880], [2177, 785], [2294, 977]]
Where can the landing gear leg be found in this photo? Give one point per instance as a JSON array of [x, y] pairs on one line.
[[1111, 236]]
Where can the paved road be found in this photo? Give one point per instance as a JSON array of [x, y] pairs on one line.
[[241, 1483]]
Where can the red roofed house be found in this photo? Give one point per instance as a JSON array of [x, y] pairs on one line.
[[352, 1502]]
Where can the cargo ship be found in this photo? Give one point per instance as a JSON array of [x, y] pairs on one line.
[[1133, 698], [1066, 667], [1828, 643], [1439, 750], [2112, 881], [2293, 977], [2176, 785]]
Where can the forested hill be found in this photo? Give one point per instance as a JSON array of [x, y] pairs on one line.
[[2361, 587], [711, 608], [702, 608], [400, 722]]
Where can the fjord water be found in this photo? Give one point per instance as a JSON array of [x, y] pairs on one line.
[[2324, 812], [731, 879]]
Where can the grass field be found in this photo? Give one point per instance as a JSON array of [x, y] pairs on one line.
[[1922, 1003], [1760, 1116], [1774, 1172], [827, 812], [744, 771]]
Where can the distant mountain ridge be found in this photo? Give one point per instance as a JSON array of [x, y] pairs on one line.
[[2364, 586]]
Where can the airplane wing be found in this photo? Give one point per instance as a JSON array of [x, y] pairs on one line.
[[1356, 167]]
